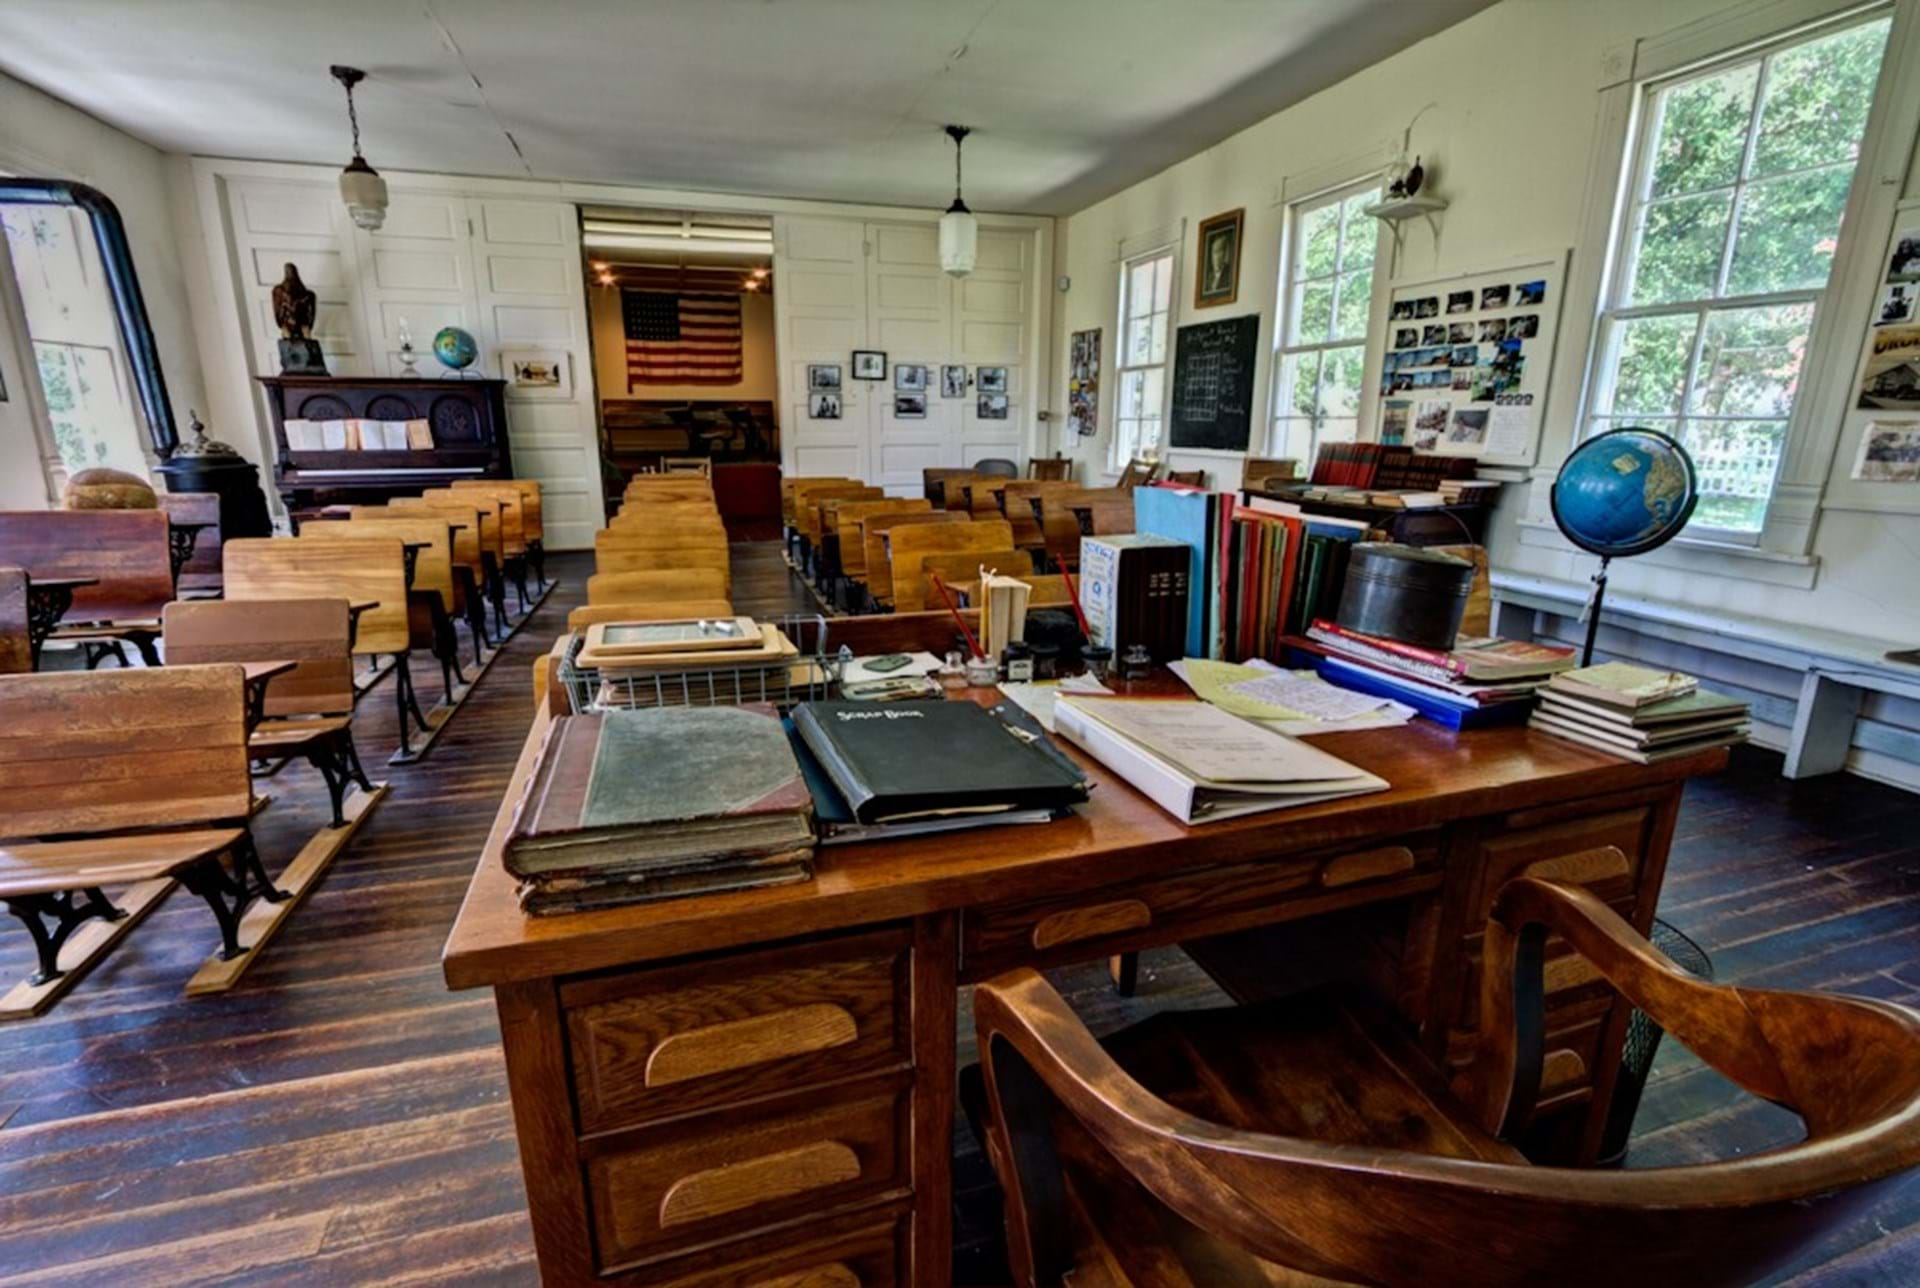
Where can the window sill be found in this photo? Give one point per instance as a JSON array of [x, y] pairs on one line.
[[1689, 555]]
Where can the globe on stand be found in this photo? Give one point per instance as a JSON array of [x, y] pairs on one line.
[[455, 348], [1619, 494]]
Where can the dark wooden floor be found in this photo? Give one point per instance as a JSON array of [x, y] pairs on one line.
[[341, 1118]]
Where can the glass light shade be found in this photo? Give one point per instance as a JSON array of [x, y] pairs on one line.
[[959, 240], [365, 193]]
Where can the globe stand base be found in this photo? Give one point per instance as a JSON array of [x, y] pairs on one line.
[[1592, 611]]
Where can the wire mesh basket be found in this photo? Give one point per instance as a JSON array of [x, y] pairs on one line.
[[808, 676]]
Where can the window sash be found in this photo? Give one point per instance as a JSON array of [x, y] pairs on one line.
[[1282, 418], [1129, 429]]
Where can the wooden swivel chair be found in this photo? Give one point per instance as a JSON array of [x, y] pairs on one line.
[[1309, 1137]]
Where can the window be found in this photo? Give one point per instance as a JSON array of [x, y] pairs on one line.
[[1146, 315], [1739, 181], [1326, 295]]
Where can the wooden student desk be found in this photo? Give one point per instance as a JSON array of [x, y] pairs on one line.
[[759, 1086]]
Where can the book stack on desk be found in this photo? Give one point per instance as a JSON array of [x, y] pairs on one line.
[[904, 769], [631, 806], [1638, 713], [1478, 681]]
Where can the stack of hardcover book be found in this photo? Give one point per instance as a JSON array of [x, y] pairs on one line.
[[1478, 681], [1638, 713], [628, 806]]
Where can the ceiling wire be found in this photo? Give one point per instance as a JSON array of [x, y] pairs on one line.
[[947, 65], [453, 47]]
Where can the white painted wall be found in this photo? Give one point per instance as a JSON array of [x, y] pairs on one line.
[[42, 137], [1516, 95]]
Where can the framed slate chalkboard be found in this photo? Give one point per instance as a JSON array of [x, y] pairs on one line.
[[1213, 369]]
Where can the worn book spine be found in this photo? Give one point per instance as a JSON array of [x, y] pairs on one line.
[[548, 794], [852, 788]]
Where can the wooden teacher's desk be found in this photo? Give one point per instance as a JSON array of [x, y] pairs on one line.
[[759, 1086]]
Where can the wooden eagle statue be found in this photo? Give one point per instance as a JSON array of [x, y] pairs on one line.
[[293, 306]]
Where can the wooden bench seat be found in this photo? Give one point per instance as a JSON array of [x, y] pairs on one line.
[[50, 867], [128, 554]]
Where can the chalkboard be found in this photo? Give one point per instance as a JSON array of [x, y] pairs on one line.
[[1213, 368]]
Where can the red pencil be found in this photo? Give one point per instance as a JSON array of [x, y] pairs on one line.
[[954, 608], [1073, 595]]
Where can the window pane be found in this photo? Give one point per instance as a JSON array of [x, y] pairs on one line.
[[1735, 461], [1139, 342], [1293, 437], [1679, 253], [1356, 293], [1817, 99], [1319, 242], [1336, 431], [1152, 392], [1140, 289], [1157, 344], [1312, 311], [1750, 361], [1649, 364], [1703, 131], [1340, 382], [1126, 438], [1163, 283], [1788, 229], [1298, 393], [1149, 436], [1363, 234], [1130, 392]]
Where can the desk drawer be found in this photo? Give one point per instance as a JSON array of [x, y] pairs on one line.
[[1604, 852], [1203, 901], [647, 1044], [734, 1173], [872, 1254]]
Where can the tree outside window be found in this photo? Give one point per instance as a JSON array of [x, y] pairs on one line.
[[1740, 181], [1326, 297]]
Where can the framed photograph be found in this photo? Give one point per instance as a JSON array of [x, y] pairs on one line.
[[1427, 306], [824, 406], [1493, 297], [953, 382], [911, 377], [990, 380], [1460, 301], [992, 407], [869, 364], [536, 373], [1218, 281], [910, 406], [823, 375]]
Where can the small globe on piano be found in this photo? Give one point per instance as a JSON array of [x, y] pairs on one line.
[[455, 348]]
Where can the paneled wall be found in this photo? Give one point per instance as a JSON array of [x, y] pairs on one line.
[[845, 284], [505, 269]]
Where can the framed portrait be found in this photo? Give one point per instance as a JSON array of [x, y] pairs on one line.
[[869, 364], [824, 406], [1217, 280], [990, 380], [910, 406], [991, 407], [536, 373], [953, 382], [910, 377], [823, 375]]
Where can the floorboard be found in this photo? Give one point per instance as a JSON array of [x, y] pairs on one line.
[[340, 1118]]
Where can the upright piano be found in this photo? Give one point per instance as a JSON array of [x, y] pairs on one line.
[[467, 419]]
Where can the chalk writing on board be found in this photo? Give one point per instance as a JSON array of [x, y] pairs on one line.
[[1213, 372]]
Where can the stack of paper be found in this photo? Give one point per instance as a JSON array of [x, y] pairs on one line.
[[1201, 764], [1288, 702]]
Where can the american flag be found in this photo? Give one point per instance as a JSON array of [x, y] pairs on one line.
[[681, 339]]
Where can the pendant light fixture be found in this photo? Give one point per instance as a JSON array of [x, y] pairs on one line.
[[959, 230], [361, 186]]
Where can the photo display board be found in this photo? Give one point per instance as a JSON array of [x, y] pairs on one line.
[[1213, 370], [1464, 368]]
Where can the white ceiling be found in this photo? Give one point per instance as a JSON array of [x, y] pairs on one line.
[[836, 99]]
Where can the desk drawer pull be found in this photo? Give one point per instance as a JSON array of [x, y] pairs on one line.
[[1563, 973], [836, 1275], [1367, 865], [1091, 922], [720, 1190], [735, 1044], [1582, 868], [1562, 1067]]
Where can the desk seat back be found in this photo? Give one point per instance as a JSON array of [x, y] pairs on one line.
[[1017, 503], [16, 650], [873, 542], [790, 485], [909, 546], [513, 514], [311, 632], [202, 572], [487, 507], [463, 524], [847, 516], [935, 486], [956, 569], [669, 538], [619, 558], [432, 564], [656, 584], [370, 571], [126, 550], [99, 751]]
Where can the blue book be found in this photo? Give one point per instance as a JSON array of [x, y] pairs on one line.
[[1186, 517], [1460, 714]]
